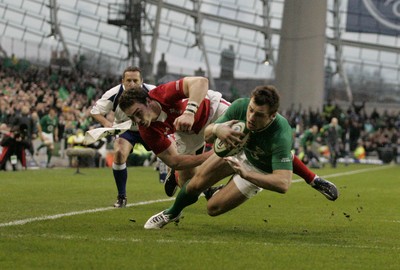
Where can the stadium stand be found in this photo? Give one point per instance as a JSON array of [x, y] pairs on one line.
[[24, 84]]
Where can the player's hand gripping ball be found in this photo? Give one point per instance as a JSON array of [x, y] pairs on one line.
[[225, 151]]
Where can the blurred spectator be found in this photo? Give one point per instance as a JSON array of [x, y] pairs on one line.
[[328, 110], [374, 115], [359, 109], [331, 135], [354, 128], [79, 158], [13, 144], [76, 140], [359, 152], [48, 134], [26, 122], [307, 143], [139, 155]]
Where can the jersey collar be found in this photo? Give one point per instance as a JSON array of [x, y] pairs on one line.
[[163, 115], [267, 126]]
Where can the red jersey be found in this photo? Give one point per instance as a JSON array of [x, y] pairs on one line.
[[173, 103]]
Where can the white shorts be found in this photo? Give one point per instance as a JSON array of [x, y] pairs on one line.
[[247, 188], [189, 143], [48, 137]]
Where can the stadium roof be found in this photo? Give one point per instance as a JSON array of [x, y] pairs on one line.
[[246, 25]]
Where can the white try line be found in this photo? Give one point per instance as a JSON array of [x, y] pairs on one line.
[[349, 173], [374, 245], [29, 220]]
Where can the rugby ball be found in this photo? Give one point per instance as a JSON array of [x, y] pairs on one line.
[[223, 151]]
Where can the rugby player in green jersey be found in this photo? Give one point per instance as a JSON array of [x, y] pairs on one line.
[[264, 163], [48, 133]]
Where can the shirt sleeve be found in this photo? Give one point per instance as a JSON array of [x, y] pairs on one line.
[[282, 158], [102, 106], [105, 104], [236, 111]]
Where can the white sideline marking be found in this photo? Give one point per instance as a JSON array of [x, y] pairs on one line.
[[349, 173], [206, 242], [29, 220]]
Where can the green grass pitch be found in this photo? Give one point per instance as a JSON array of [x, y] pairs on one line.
[[56, 219]]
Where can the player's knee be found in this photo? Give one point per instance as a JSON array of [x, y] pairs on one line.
[[118, 144], [195, 187], [120, 157], [214, 209], [121, 152]]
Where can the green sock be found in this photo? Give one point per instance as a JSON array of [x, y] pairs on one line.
[[49, 154], [182, 200]]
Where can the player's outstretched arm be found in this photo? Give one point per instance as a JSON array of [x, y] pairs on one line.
[[181, 162], [102, 120], [278, 181], [195, 88]]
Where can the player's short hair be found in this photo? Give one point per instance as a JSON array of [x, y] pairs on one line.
[[132, 69], [132, 95], [266, 95]]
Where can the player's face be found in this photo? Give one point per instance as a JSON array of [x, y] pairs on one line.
[[141, 114], [52, 113], [131, 78], [258, 117]]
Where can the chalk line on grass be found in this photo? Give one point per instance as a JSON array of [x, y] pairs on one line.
[[74, 213], [207, 242]]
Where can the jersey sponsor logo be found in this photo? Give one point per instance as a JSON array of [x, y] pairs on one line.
[[177, 86], [257, 153], [286, 160], [166, 132], [177, 111]]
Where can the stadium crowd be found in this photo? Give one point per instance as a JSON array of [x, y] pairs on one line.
[[376, 134], [27, 92]]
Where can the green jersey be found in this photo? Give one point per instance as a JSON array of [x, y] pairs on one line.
[[331, 134], [268, 149], [307, 139], [48, 124]]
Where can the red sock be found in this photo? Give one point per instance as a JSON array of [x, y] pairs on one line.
[[302, 170]]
